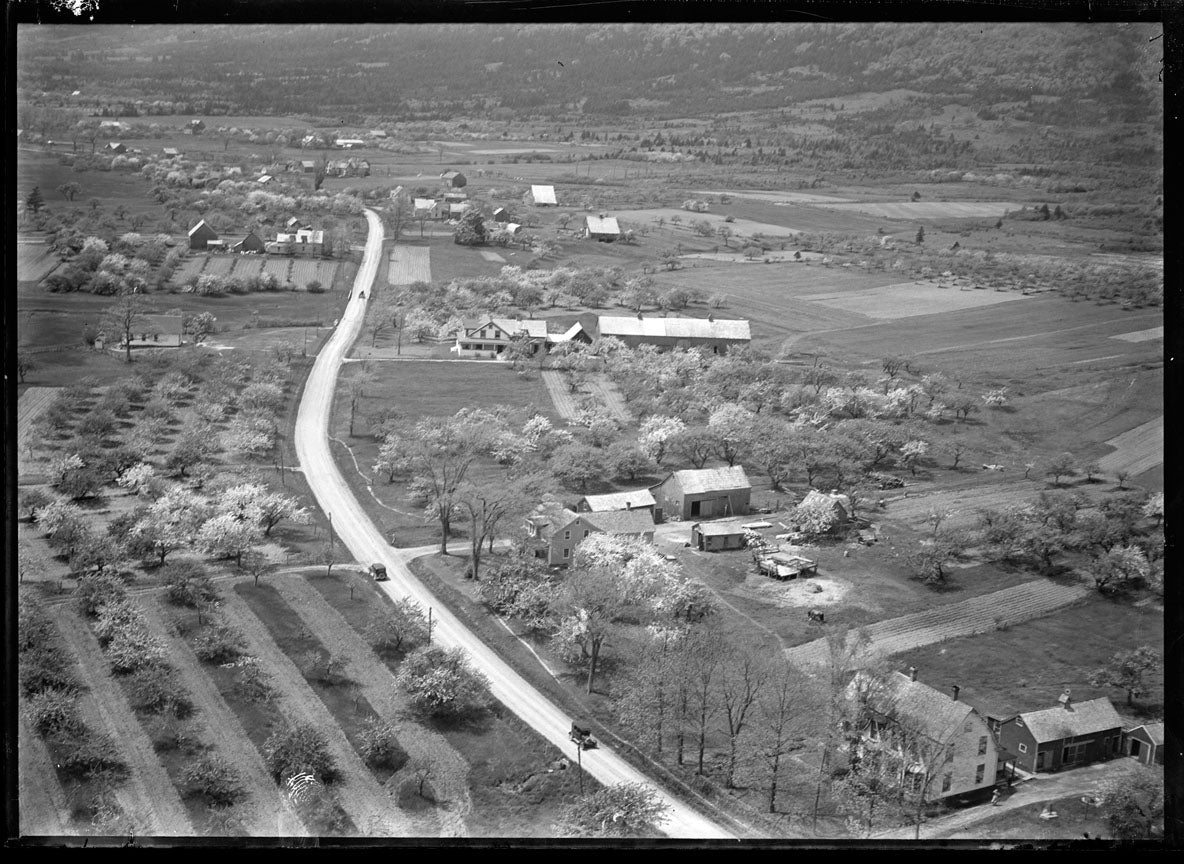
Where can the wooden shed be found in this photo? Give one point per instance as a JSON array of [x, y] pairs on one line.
[[1145, 743], [717, 536]]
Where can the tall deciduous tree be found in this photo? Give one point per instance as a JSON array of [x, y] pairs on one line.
[[1128, 670], [743, 675], [785, 706], [491, 503], [124, 318]]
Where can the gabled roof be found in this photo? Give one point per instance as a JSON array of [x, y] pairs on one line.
[[675, 328], [171, 151], [718, 529], [832, 498], [1153, 731], [266, 178], [619, 500], [199, 224], [932, 712], [621, 521], [543, 194], [603, 225], [162, 324], [459, 206], [550, 517], [569, 334], [695, 481], [1079, 718], [425, 203], [448, 175], [308, 163]]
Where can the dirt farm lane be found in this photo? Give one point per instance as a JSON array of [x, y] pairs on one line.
[[366, 543]]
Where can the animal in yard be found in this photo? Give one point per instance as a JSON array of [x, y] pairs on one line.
[[815, 616]]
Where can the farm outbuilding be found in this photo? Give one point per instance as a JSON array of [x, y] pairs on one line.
[[540, 196], [1145, 743], [308, 166], [784, 565], [196, 126], [202, 235], [501, 214], [1068, 736], [634, 499], [717, 536], [170, 152], [426, 208], [602, 228], [702, 493], [454, 179], [717, 334], [901, 712], [115, 147], [839, 504], [250, 243]]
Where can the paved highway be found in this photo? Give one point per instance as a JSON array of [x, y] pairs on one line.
[[366, 543]]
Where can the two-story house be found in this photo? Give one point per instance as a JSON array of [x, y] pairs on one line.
[[930, 743], [490, 337], [553, 532]]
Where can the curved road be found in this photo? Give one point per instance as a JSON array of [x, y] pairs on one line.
[[367, 544]]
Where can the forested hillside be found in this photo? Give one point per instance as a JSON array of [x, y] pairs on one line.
[[651, 70]]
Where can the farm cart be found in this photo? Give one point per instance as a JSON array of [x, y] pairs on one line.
[[781, 565]]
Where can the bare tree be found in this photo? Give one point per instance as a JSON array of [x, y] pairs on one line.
[[743, 674], [125, 318]]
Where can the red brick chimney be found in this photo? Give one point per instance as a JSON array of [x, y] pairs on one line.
[[912, 673]]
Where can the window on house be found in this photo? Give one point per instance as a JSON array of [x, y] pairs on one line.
[[585, 532], [979, 772], [916, 781], [1023, 748], [566, 552], [567, 535], [947, 781], [982, 745], [1074, 752], [1019, 721], [540, 553]]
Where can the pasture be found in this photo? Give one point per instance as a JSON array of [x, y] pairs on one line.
[[996, 672], [408, 264]]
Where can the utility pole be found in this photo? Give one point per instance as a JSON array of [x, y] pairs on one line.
[[429, 625]]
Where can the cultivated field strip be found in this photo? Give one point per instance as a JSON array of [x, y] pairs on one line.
[[409, 264], [564, 402], [450, 777], [264, 810], [148, 798], [965, 503], [43, 804], [34, 261], [189, 268], [976, 615], [219, 265], [248, 266], [281, 267], [925, 209], [29, 407], [492, 256], [1136, 450], [363, 799]]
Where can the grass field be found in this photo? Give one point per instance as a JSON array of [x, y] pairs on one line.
[[1027, 666]]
